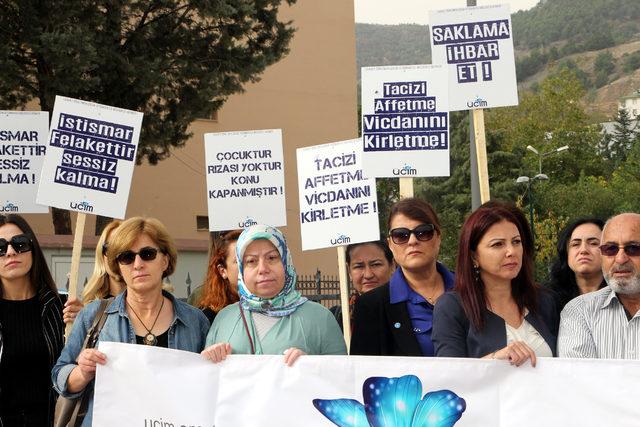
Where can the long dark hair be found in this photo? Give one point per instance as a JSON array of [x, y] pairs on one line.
[[562, 280], [471, 288], [39, 274]]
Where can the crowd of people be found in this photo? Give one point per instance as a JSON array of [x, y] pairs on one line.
[[404, 302]]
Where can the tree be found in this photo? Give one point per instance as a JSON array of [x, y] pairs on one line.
[[176, 61], [618, 144]]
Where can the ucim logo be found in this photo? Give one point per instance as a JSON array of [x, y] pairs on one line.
[[82, 206], [477, 103], [405, 171], [9, 207], [341, 240], [247, 223]]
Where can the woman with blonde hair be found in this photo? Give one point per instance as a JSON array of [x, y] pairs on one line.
[[103, 283], [220, 287]]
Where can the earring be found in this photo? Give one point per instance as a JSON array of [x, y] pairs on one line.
[[476, 272]]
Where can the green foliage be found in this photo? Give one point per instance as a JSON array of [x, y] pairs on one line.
[[616, 146], [175, 61], [631, 61], [603, 66]]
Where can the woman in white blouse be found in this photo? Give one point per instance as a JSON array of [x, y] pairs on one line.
[[496, 310]]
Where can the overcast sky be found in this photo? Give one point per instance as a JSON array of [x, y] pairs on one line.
[[416, 11]]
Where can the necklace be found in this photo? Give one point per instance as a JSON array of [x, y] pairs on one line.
[[149, 339]]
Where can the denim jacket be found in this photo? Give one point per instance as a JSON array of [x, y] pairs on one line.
[[188, 332]]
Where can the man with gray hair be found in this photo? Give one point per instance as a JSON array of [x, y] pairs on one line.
[[606, 324]]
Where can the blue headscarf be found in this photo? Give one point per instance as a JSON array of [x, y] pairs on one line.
[[288, 299]]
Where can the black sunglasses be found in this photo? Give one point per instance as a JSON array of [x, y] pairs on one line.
[[105, 246], [423, 232], [20, 244], [146, 254], [631, 249]]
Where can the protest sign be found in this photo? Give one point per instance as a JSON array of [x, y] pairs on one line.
[[245, 179], [140, 383], [90, 158], [476, 43], [23, 139], [338, 205], [405, 121]]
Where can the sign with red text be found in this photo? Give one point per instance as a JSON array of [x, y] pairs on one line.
[[338, 205], [23, 144], [245, 179], [476, 44], [90, 158], [405, 121]]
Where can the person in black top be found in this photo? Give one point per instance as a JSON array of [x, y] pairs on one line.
[[577, 268], [31, 327]]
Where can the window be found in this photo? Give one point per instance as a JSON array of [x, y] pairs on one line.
[[202, 223]]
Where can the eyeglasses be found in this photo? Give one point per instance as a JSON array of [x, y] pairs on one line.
[[146, 254], [105, 246], [20, 244], [423, 232], [631, 249]]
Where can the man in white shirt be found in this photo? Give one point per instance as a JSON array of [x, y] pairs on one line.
[[606, 323]]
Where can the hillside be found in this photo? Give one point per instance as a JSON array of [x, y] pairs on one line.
[[599, 39]]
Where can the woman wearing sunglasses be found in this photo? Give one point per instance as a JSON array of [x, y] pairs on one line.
[[496, 310], [142, 253], [31, 327], [271, 317], [396, 318], [104, 283]]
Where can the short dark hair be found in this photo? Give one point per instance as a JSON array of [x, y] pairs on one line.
[[562, 280], [379, 243], [39, 275], [416, 209]]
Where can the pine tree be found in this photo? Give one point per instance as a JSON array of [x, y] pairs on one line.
[[176, 61]]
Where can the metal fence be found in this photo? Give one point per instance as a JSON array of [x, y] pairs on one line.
[[321, 288]]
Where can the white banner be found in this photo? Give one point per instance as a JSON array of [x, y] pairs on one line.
[[245, 179], [140, 383], [338, 206], [23, 144], [477, 45], [405, 121], [90, 158]]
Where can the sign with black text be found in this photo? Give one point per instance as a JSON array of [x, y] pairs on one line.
[[23, 144], [338, 205], [90, 158], [245, 179], [405, 121], [476, 44]]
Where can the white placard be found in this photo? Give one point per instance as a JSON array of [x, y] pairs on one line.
[[245, 179], [338, 206], [90, 158], [477, 45], [405, 121], [23, 144], [139, 383]]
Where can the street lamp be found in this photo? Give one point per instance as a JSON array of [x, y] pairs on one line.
[[548, 153], [529, 182]]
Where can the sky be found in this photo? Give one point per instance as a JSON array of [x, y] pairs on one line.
[[416, 11]]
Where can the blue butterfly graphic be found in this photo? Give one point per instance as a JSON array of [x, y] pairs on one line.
[[394, 402]]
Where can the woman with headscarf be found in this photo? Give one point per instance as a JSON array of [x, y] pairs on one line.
[[271, 316]]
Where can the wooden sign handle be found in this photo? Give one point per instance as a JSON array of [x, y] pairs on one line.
[[75, 261], [481, 154], [406, 187], [344, 294]]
